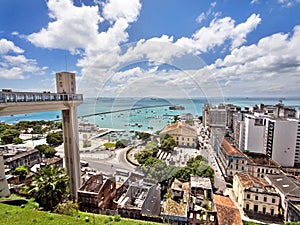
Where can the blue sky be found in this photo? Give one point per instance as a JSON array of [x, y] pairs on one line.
[[170, 48]]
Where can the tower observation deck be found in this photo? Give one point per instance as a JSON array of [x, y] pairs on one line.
[[65, 100]]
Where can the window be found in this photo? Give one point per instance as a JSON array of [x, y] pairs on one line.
[[265, 199], [256, 197], [247, 206], [273, 200], [264, 210], [258, 170], [272, 212], [248, 196], [255, 208]]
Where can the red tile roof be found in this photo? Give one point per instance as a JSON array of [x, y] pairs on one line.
[[230, 150], [227, 212]]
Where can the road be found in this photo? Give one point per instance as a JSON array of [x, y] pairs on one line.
[[108, 162]]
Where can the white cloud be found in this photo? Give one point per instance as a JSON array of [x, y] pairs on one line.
[[13, 65], [218, 32], [8, 46], [72, 27], [268, 67], [201, 17], [114, 10], [209, 12], [288, 3]]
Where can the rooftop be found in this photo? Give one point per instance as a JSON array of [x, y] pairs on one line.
[[261, 159], [93, 184], [229, 149], [249, 181], [225, 206], [181, 128], [289, 186], [200, 182]]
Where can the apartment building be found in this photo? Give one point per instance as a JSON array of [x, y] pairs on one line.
[[280, 140], [254, 130]]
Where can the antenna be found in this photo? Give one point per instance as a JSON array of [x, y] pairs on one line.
[[66, 62]]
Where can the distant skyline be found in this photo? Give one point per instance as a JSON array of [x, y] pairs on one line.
[[169, 48]]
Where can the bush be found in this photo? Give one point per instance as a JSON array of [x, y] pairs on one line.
[[108, 219], [67, 208], [117, 218]]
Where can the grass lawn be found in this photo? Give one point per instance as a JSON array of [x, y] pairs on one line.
[[15, 215]]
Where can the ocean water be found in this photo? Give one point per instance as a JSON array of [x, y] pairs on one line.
[[149, 114]]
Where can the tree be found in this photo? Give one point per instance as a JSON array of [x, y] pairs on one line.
[[47, 150], [8, 135], [168, 143], [54, 139], [49, 186], [21, 171], [122, 143]]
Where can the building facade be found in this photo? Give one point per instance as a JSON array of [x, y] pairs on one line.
[[256, 195], [185, 135]]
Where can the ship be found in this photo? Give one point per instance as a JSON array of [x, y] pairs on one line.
[[176, 107]]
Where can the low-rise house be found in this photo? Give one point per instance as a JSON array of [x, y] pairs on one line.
[[87, 127], [289, 189], [96, 193], [201, 206], [177, 189], [231, 160], [22, 158], [185, 135], [227, 212], [255, 195], [174, 210], [141, 201]]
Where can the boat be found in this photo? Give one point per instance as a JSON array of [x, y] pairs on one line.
[[176, 107]]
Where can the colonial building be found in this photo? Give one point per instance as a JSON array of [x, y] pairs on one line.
[[258, 165], [184, 134], [22, 158], [201, 206], [231, 160], [255, 195], [142, 200], [96, 193]]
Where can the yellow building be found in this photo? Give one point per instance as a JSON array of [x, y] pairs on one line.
[[255, 195], [184, 134]]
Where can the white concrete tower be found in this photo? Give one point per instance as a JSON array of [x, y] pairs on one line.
[[66, 84], [4, 191]]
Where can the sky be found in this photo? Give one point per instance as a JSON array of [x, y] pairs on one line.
[[152, 48]]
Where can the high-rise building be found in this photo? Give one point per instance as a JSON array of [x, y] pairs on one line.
[[281, 140], [254, 130]]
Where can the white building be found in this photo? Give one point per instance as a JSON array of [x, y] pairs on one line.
[[281, 138], [254, 131]]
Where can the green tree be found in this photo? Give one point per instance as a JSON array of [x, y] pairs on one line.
[[142, 135], [54, 139], [47, 150], [49, 186], [8, 135], [168, 143], [17, 140], [122, 143], [21, 171]]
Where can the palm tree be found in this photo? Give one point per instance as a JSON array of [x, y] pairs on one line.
[[49, 186]]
